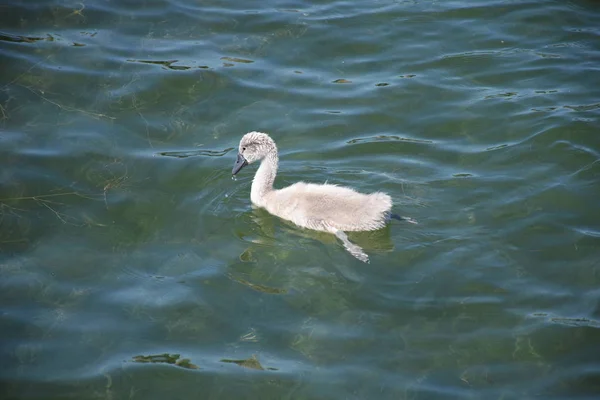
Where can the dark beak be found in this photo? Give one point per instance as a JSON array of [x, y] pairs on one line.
[[240, 163]]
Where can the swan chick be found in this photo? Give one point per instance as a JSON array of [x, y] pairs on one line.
[[321, 207]]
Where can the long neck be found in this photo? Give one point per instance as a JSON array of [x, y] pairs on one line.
[[264, 178]]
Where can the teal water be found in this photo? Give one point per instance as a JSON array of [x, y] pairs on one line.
[[133, 267]]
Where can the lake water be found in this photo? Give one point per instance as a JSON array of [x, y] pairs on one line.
[[133, 267]]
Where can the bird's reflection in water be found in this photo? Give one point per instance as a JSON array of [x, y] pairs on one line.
[[267, 225]]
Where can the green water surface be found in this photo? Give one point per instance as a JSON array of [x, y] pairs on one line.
[[133, 267]]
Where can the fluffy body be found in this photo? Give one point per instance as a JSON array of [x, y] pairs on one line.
[[328, 207]]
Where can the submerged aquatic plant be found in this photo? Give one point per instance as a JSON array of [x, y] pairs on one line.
[[166, 358], [250, 363]]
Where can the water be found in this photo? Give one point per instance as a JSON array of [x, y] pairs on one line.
[[133, 267]]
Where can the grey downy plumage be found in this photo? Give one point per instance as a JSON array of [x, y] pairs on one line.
[[324, 207]]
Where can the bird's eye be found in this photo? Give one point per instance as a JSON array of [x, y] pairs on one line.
[[243, 149]]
